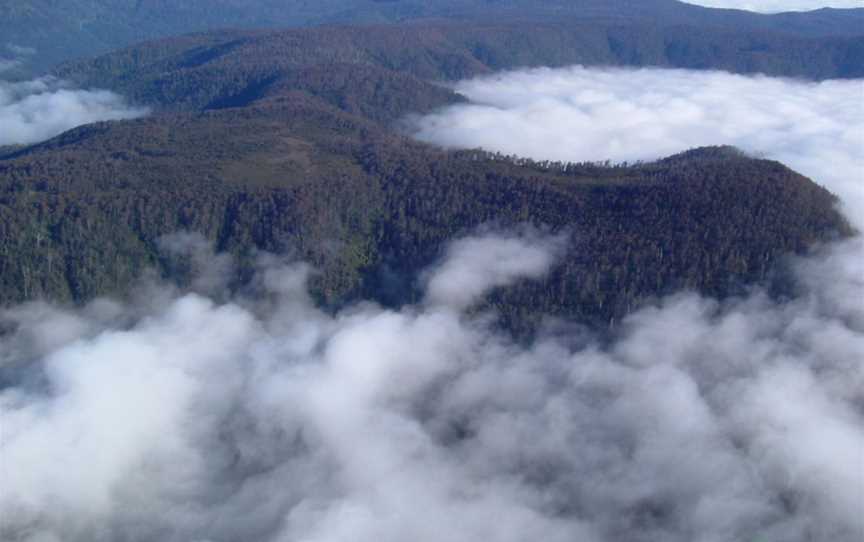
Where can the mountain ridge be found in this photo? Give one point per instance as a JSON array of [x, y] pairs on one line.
[[76, 29], [392, 71]]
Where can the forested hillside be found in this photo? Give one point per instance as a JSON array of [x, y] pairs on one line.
[[82, 214], [391, 69], [288, 141], [41, 33]]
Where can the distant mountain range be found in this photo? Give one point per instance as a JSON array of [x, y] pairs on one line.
[[41, 33]]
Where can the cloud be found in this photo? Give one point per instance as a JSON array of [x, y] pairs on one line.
[[776, 6], [8, 64], [256, 416], [474, 265], [263, 418], [36, 110], [583, 114]]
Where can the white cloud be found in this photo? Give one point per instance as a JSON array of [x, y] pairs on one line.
[[32, 111], [474, 265], [261, 418], [584, 114], [8, 64], [266, 419], [776, 6]]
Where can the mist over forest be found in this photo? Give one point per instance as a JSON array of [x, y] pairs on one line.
[[421, 284]]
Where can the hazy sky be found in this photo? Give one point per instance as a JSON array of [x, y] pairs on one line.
[[773, 6]]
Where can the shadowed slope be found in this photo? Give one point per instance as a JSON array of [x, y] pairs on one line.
[[193, 72]]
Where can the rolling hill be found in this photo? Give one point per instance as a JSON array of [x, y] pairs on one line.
[[42, 33]]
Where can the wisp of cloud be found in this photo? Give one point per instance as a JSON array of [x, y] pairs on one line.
[[7, 64], [36, 110]]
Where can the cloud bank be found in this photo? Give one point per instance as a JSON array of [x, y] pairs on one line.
[[208, 416], [36, 110], [262, 418], [583, 114], [777, 6]]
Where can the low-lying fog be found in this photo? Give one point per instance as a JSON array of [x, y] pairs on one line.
[[39, 109], [178, 418]]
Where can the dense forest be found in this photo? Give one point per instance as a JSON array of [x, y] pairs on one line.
[[289, 141], [323, 178], [41, 33], [229, 68]]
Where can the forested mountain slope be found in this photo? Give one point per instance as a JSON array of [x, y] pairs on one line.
[[59, 31], [287, 141], [81, 215], [374, 67]]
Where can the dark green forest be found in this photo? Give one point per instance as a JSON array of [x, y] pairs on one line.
[[304, 174], [197, 71], [288, 141]]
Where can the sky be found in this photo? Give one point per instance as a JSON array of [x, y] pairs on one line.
[[254, 416], [775, 6]]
